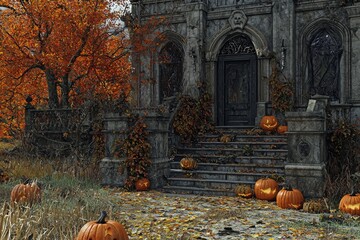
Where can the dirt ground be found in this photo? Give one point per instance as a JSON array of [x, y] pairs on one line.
[[157, 215]]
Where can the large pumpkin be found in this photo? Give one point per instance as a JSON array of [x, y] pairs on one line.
[[266, 189], [102, 230], [350, 203], [188, 163], [244, 191], [282, 129], [143, 184], [268, 123], [27, 192], [290, 198]]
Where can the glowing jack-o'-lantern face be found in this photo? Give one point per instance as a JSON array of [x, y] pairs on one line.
[[244, 191], [188, 163], [350, 203], [266, 189], [142, 184], [268, 123]]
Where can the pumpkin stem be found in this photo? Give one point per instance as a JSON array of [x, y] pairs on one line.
[[102, 217], [288, 187], [27, 181], [352, 185]]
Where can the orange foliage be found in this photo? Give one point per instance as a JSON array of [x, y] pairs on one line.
[[63, 53]]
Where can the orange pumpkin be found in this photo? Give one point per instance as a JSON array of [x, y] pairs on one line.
[[266, 189], [142, 184], [102, 229], [244, 191], [350, 203], [268, 123], [282, 129], [188, 163], [290, 198], [26, 193]]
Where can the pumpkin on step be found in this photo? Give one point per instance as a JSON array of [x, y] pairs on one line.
[[244, 191], [266, 189], [188, 163], [102, 230], [282, 129], [290, 198], [268, 123], [27, 192]]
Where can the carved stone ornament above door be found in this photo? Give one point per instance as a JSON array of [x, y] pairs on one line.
[[237, 19]]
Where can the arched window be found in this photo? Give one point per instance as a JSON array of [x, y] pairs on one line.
[[325, 50], [171, 58]]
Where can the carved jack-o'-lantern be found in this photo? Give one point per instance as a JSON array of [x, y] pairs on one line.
[[188, 163], [244, 191], [266, 189], [143, 184], [350, 203], [268, 123]]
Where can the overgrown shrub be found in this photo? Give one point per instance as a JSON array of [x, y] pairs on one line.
[[343, 159]]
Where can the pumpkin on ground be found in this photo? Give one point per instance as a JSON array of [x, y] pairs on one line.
[[269, 123], [244, 191], [27, 192], [290, 198], [282, 129], [188, 163], [142, 184], [266, 189], [102, 230], [350, 203]]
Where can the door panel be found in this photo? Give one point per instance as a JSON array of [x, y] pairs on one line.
[[236, 90]]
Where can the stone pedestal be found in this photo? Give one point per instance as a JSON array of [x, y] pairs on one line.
[[116, 128], [305, 167]]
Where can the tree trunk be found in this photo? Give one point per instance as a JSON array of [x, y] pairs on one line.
[[53, 95], [65, 89]]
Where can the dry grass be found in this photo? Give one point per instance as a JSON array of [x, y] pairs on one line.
[[67, 202]]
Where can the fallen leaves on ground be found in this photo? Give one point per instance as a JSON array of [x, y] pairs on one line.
[[157, 215]]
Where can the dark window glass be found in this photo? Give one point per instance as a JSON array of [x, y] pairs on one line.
[[171, 60], [324, 63]]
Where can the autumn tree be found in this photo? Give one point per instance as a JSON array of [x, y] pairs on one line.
[[63, 52]]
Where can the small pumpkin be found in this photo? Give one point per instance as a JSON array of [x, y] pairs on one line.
[[269, 123], [27, 192], [188, 163], [102, 229], [266, 189], [244, 191], [282, 129], [142, 184], [290, 198], [226, 138]]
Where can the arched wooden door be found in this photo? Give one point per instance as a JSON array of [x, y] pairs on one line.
[[237, 83]]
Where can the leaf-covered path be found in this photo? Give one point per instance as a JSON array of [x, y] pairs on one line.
[[156, 215]]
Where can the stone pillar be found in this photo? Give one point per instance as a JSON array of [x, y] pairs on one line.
[[116, 127], [305, 167], [194, 57]]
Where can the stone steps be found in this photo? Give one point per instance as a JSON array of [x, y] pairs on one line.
[[222, 166]]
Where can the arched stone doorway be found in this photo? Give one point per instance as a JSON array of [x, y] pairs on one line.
[[236, 87]]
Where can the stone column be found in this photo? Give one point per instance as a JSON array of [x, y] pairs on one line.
[[195, 15], [305, 167]]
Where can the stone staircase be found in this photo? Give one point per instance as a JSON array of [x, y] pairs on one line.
[[248, 156]]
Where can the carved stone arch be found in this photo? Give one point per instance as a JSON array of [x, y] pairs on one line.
[[324, 44], [169, 66], [257, 38]]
